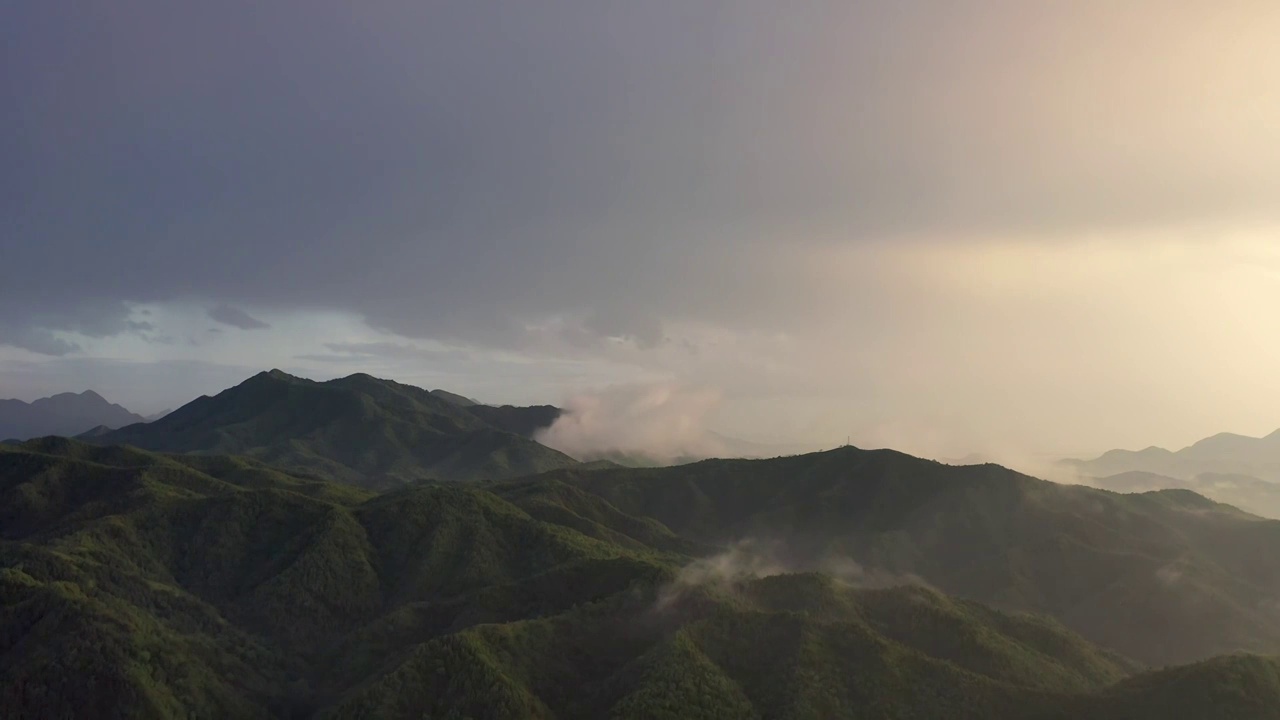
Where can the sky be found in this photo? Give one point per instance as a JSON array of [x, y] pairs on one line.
[[948, 227]]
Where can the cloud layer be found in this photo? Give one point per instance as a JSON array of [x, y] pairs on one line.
[[235, 317], [659, 422], [935, 223]]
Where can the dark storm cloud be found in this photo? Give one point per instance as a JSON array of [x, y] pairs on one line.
[[458, 170], [29, 326], [17, 333], [235, 317]]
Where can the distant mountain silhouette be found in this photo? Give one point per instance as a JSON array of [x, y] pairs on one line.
[[1222, 454], [357, 429], [1260, 497], [61, 414]]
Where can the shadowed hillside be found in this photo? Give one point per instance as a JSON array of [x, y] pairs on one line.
[[196, 585], [357, 429], [1164, 577], [523, 421]]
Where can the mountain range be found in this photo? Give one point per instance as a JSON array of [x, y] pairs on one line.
[[1260, 497], [394, 433], [1163, 577], [61, 414], [1234, 469], [1222, 454], [360, 548], [145, 585]]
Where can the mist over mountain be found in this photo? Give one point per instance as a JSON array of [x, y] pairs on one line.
[[736, 348], [1233, 469], [647, 426], [634, 426], [978, 531], [211, 586], [61, 414], [1222, 454], [1260, 497], [1163, 577], [379, 432]]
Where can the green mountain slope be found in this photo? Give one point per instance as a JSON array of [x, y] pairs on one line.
[[1165, 577], [162, 576], [725, 652], [1224, 688], [357, 429], [134, 584], [523, 421]]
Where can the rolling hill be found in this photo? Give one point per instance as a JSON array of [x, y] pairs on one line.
[[356, 429], [154, 586], [61, 414], [1164, 577]]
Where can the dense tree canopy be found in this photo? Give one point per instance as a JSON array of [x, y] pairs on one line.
[[136, 584]]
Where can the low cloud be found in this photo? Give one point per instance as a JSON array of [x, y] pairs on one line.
[[237, 318], [662, 422], [45, 332], [36, 340], [751, 558]]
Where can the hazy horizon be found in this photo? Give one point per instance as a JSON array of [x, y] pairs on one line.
[[947, 228]]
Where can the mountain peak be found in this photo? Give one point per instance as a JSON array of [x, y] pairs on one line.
[[275, 375], [67, 413], [361, 377], [358, 429]]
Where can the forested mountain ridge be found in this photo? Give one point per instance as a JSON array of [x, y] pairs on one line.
[[1165, 577], [147, 585], [357, 429], [523, 421], [234, 576]]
